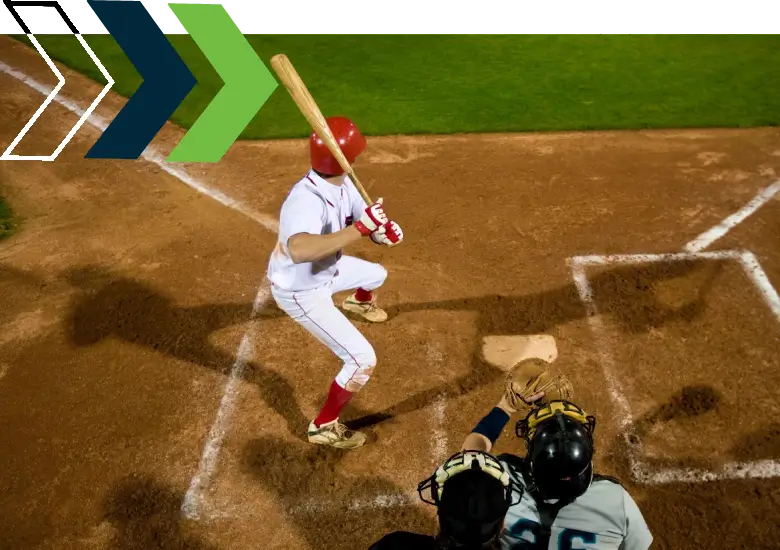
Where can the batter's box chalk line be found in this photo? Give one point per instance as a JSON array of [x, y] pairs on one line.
[[313, 506], [711, 235], [639, 469], [151, 154]]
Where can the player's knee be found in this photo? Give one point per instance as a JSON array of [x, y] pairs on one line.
[[359, 379], [363, 369], [365, 358], [379, 276]]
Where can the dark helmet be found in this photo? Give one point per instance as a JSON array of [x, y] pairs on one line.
[[472, 492], [559, 441]]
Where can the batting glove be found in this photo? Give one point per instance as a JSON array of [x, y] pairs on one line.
[[372, 219], [389, 234]]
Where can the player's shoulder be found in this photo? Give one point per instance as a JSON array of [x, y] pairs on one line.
[[303, 186], [607, 487], [599, 478], [607, 491], [303, 194]]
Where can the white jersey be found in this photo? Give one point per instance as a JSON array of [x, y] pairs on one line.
[[605, 517], [317, 207]]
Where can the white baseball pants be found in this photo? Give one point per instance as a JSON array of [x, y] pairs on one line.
[[316, 312]]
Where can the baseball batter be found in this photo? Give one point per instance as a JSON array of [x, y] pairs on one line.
[[323, 214], [565, 505]]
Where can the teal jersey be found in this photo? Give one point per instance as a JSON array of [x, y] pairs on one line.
[[605, 517]]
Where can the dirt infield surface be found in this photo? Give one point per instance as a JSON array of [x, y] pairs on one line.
[[146, 403]]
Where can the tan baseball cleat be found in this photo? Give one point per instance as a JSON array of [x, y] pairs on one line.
[[335, 434], [367, 310]]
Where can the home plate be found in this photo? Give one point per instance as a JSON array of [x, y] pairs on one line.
[[505, 352]]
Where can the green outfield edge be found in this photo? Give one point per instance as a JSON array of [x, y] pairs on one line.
[[449, 84]]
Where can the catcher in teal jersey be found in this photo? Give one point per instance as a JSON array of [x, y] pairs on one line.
[[564, 504]]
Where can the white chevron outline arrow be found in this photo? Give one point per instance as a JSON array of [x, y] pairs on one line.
[[7, 154]]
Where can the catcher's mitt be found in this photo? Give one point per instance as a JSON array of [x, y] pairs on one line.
[[532, 376]]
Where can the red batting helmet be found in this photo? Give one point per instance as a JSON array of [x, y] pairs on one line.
[[350, 140]]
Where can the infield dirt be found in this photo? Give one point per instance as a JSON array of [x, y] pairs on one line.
[[126, 294]]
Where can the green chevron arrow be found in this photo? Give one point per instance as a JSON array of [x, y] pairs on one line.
[[248, 83]]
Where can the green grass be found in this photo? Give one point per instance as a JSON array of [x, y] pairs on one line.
[[407, 84], [6, 222]]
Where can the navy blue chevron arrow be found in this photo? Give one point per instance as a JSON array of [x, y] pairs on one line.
[[166, 80]]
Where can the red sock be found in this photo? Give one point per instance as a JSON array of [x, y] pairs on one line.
[[338, 397], [363, 295]]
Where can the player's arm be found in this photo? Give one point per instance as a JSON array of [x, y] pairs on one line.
[[390, 235], [306, 247], [302, 221], [486, 432], [637, 535]]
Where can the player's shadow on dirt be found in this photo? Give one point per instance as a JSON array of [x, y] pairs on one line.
[[134, 312], [145, 514], [628, 294], [692, 401], [689, 402], [332, 511], [717, 513], [115, 306]]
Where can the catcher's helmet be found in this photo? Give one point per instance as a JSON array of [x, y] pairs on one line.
[[472, 491], [351, 142], [559, 441]]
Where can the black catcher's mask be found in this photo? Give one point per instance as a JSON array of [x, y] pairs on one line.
[[559, 442]]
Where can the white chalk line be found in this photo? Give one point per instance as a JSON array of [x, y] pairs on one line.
[[194, 498], [49, 97], [640, 470], [711, 235], [150, 154], [321, 506], [759, 278], [654, 258], [438, 417], [758, 469], [438, 412], [607, 364], [208, 462], [377, 502]]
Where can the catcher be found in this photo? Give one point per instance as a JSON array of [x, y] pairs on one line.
[[564, 503]]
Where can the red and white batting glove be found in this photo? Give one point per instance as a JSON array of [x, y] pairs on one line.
[[372, 219], [389, 234]]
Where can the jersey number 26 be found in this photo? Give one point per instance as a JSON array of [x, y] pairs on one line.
[[565, 540]]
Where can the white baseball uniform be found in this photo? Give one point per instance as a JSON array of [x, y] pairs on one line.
[[605, 517], [304, 291]]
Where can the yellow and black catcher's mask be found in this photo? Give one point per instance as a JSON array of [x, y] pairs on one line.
[[526, 428]]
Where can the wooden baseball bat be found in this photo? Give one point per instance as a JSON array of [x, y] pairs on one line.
[[308, 107]]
